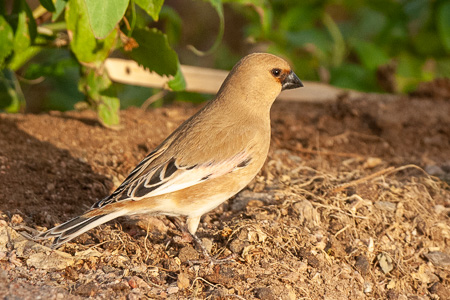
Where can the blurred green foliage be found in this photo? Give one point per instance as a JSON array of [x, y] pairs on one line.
[[80, 35], [60, 46], [357, 43]]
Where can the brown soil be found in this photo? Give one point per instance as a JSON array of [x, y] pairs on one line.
[[352, 203]]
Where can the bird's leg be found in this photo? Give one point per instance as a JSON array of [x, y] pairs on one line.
[[192, 224], [186, 235]]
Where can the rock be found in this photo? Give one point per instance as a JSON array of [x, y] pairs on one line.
[[188, 253], [438, 258], [288, 294], [141, 284], [86, 254], [372, 162], [367, 287], [386, 206], [424, 274], [139, 268], [438, 209], [153, 224], [71, 274], [55, 260], [222, 275], [132, 283], [16, 219], [249, 198], [385, 262], [172, 290], [208, 244], [308, 214], [87, 290], [108, 269], [362, 264], [183, 281], [133, 296], [240, 242], [441, 290], [255, 203], [264, 293], [434, 170], [50, 186]]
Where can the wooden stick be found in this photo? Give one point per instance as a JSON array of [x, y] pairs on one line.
[[208, 81]]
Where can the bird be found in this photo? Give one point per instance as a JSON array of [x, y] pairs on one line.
[[208, 159]]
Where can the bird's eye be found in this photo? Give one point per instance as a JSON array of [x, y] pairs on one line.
[[276, 72]]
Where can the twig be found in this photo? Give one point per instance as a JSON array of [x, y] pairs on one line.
[[387, 171], [339, 210], [364, 179], [299, 148], [342, 230], [202, 279], [153, 99]]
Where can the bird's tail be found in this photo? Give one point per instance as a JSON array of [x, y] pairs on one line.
[[73, 228]]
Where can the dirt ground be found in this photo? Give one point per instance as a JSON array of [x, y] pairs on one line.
[[352, 203]]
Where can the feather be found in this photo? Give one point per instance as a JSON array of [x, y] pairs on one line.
[[169, 177]]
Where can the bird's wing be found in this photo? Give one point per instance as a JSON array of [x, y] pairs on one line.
[[151, 179]]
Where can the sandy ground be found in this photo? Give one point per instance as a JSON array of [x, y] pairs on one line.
[[352, 203]]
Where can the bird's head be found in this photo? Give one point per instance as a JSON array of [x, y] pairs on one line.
[[260, 77]]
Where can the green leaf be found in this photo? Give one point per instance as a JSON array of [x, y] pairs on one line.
[[173, 24], [104, 15], [443, 24], [95, 83], [338, 52], [443, 67], [263, 9], [353, 76], [48, 5], [306, 37], [25, 28], [6, 40], [108, 108], [409, 72], [55, 66], [370, 55], [217, 4], [25, 33], [178, 83], [11, 96], [83, 43], [300, 18], [103, 96], [427, 43], [59, 7], [368, 23], [154, 52], [21, 57], [152, 7]]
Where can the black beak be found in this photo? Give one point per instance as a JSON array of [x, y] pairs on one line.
[[291, 82]]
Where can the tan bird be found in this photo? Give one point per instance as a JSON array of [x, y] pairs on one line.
[[209, 158]]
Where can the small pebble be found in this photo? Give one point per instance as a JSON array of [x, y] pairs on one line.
[[367, 287], [183, 281], [172, 290]]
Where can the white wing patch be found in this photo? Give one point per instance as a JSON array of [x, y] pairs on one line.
[[170, 177], [184, 177]]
